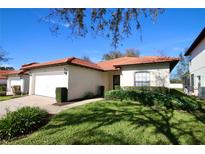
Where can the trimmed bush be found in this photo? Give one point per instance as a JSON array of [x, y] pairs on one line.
[[61, 94], [158, 97], [2, 93], [116, 94], [21, 122], [88, 95], [16, 90], [117, 87], [155, 89], [2, 88]]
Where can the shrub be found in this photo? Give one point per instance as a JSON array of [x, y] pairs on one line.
[[146, 97], [117, 87], [88, 95], [154, 89], [160, 97], [2, 93], [2, 88], [61, 94], [21, 122], [16, 90], [114, 94]]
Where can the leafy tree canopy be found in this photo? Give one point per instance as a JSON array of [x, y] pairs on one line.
[[131, 52], [182, 68], [114, 24], [6, 68], [86, 58], [3, 55]]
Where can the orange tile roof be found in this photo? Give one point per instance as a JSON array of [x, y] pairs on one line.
[[4, 73], [77, 61], [69, 60], [105, 65], [115, 63], [55, 62], [16, 72]]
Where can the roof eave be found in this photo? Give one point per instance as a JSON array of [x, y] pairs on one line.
[[173, 64], [60, 64], [199, 38], [37, 67], [98, 69]]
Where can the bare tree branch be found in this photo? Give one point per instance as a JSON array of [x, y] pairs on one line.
[[115, 24]]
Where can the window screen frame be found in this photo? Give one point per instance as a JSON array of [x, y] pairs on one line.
[[142, 82]]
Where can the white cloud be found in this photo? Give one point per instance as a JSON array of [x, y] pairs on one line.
[[66, 25], [178, 49]]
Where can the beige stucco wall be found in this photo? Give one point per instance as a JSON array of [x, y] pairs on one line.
[[159, 74], [197, 65], [83, 80]]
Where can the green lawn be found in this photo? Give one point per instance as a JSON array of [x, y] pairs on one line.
[[3, 98], [116, 122]]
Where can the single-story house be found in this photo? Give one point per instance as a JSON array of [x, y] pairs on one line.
[[81, 76], [3, 78], [196, 52], [17, 78]]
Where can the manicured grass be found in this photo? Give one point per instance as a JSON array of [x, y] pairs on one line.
[[4, 98], [126, 122]]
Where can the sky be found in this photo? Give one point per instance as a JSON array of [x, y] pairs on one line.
[[28, 39]]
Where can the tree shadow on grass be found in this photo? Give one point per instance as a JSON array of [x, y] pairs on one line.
[[195, 106], [136, 114]]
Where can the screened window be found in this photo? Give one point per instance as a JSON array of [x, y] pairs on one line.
[[142, 79]]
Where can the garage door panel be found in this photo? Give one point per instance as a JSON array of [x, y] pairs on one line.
[[45, 84]]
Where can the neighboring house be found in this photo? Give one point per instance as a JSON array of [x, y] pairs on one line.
[[17, 78], [3, 78], [197, 65], [81, 76]]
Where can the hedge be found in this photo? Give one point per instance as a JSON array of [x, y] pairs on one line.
[[2, 90], [169, 98]]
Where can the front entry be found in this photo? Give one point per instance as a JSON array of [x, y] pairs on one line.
[[116, 81]]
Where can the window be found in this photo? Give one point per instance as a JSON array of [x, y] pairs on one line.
[[142, 79]]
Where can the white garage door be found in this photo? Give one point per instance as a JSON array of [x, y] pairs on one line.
[[45, 84]]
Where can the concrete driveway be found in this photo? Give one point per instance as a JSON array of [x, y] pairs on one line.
[[40, 101]]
